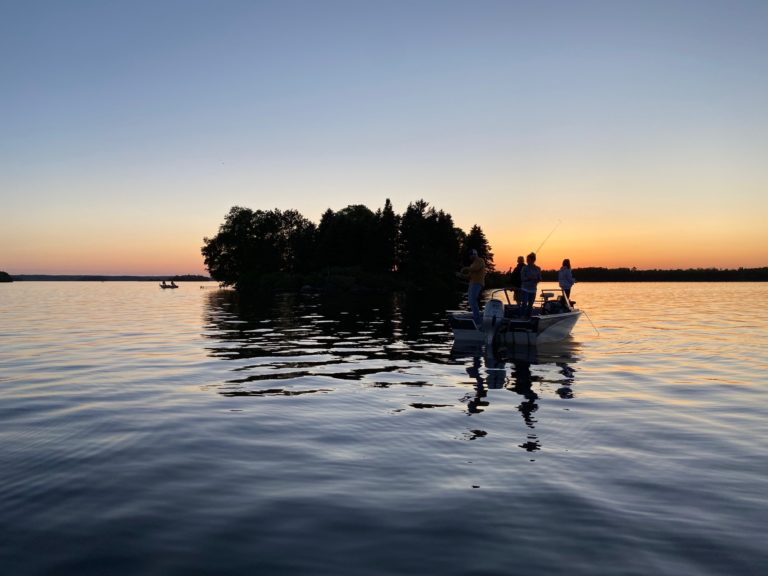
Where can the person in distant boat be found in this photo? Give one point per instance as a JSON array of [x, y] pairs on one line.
[[163, 284], [515, 279], [173, 284], [475, 272], [565, 278], [530, 277]]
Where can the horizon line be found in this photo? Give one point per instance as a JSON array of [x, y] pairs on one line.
[[201, 276]]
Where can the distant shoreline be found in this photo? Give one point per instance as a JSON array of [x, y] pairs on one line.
[[104, 278], [493, 279], [597, 274], [594, 274]]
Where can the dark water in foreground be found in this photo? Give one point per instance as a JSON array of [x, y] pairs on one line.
[[175, 432]]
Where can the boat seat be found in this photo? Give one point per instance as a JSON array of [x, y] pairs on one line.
[[553, 307]]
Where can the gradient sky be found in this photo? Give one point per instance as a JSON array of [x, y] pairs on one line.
[[129, 128]]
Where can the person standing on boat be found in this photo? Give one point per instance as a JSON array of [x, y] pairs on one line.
[[565, 278], [515, 279], [530, 277], [476, 274]]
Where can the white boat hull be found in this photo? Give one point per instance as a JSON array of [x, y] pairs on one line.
[[552, 320], [557, 327], [549, 328]]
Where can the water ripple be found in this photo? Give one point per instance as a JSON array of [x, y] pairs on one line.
[[187, 431]]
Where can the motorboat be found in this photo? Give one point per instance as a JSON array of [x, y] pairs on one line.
[[171, 285], [552, 319]]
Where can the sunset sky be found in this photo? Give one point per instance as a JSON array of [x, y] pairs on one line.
[[129, 128]]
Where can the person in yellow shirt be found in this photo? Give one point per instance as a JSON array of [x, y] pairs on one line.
[[475, 272]]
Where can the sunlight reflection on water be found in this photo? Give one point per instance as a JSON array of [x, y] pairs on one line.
[[169, 432]]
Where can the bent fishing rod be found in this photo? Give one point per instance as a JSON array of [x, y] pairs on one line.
[[537, 251], [547, 238]]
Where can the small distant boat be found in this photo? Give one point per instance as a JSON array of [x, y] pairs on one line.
[[171, 285], [551, 320]]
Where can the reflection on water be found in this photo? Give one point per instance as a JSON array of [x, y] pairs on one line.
[[510, 369], [305, 344], [295, 338], [189, 432]]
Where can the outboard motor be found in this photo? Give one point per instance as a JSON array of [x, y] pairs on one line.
[[492, 316]]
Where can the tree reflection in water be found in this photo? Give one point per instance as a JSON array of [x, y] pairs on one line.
[[305, 344], [290, 339]]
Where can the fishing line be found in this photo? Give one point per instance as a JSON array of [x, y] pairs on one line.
[[590, 321], [547, 238]]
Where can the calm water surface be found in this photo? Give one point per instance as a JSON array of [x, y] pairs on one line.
[[156, 432]]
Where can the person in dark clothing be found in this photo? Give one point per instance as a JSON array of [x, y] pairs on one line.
[[515, 279], [531, 276]]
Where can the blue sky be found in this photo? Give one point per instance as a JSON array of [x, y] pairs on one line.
[[131, 128]]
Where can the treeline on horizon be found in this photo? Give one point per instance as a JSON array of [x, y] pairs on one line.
[[494, 279], [353, 248], [5, 277], [597, 274], [358, 249]]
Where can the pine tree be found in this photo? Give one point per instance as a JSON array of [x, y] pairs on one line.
[[385, 252], [476, 240]]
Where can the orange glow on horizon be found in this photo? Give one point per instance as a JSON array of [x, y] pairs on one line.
[[644, 252], [108, 258], [589, 244]]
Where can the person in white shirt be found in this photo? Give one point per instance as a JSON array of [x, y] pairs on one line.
[[565, 278]]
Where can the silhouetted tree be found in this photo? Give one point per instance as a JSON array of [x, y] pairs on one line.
[[429, 246], [229, 253], [328, 242], [385, 240], [476, 240], [250, 246], [296, 240], [351, 247], [346, 239]]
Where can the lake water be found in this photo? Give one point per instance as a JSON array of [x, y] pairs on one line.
[[154, 432]]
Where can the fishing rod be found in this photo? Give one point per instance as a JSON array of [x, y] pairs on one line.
[[539, 248], [548, 235], [547, 238]]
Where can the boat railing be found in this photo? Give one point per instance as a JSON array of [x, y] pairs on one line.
[[547, 302], [505, 291]]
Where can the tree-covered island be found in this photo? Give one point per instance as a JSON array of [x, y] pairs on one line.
[[5, 277], [351, 249]]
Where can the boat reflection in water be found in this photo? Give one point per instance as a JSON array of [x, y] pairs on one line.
[[517, 369], [392, 351]]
